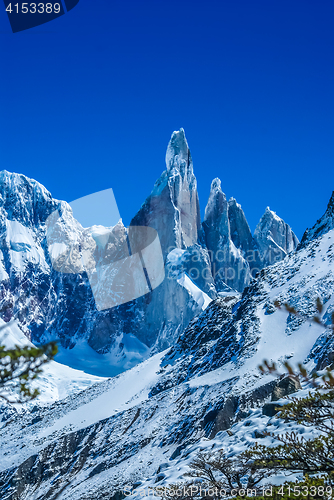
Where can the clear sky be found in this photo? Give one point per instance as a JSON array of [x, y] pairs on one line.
[[89, 100]]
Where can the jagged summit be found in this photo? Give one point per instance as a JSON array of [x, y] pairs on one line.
[[269, 215], [216, 203], [236, 254], [172, 209], [173, 206], [178, 154], [224, 224], [322, 226], [216, 184], [274, 235], [25, 199], [12, 182], [240, 231]]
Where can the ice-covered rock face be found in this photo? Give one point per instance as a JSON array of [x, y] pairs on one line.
[[173, 207], [226, 236], [235, 254], [240, 232], [25, 287], [25, 200], [274, 238]]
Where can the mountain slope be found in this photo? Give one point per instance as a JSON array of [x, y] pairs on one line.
[[147, 424], [322, 226]]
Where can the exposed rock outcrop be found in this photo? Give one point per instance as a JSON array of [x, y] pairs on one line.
[[288, 385]]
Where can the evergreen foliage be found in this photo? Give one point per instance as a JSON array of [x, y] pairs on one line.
[[313, 458], [19, 367]]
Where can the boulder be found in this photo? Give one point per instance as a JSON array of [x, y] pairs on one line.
[[270, 409], [288, 385]]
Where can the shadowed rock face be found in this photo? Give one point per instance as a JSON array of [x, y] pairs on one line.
[[228, 264], [173, 207], [288, 385], [240, 232]]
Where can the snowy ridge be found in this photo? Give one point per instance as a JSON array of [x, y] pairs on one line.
[[184, 358], [322, 226], [158, 415]]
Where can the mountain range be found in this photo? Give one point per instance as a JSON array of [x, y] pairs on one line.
[[184, 357], [202, 261]]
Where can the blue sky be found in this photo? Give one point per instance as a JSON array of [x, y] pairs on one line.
[[89, 100]]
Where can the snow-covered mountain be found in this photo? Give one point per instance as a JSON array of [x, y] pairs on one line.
[[236, 256], [143, 427], [56, 301], [322, 226]]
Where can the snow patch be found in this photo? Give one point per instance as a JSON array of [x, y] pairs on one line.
[[202, 299], [24, 248]]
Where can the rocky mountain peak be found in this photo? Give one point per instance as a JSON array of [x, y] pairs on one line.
[[240, 231], [224, 223], [178, 155], [322, 226], [173, 207], [274, 237], [236, 254], [217, 204], [216, 185], [24, 199], [266, 223]]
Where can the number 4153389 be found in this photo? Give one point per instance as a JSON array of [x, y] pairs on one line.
[[34, 8]]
